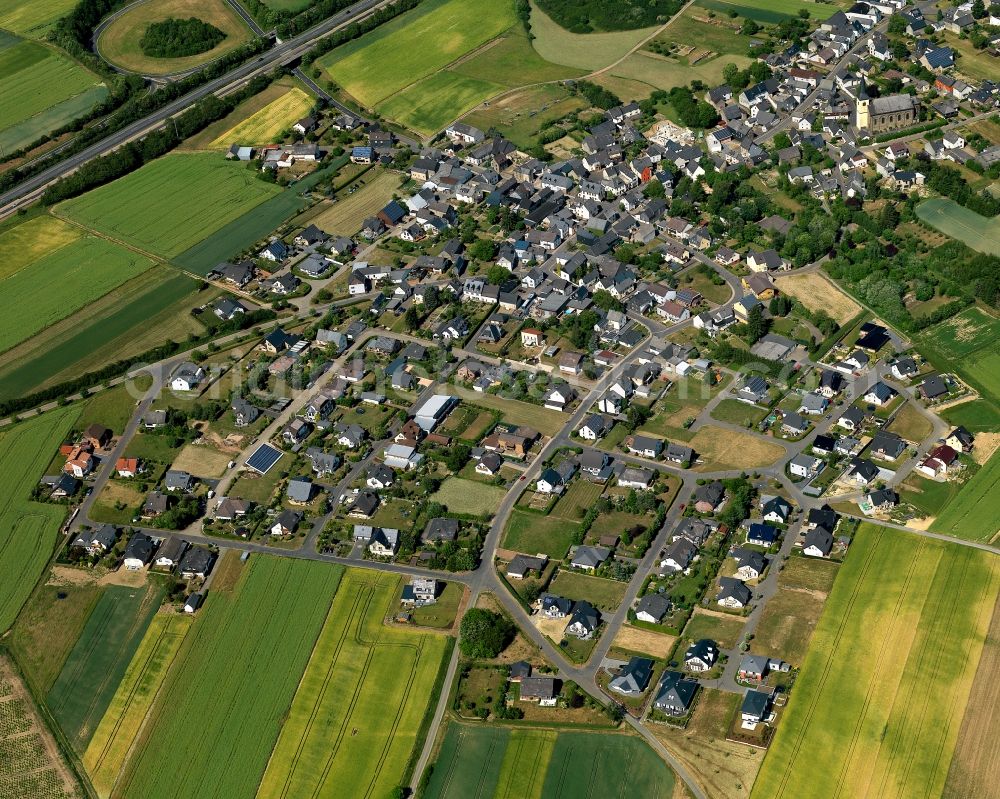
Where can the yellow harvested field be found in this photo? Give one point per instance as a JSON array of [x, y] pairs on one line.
[[818, 293], [346, 216], [201, 460], [26, 243], [265, 125], [975, 767], [721, 449], [635, 639]]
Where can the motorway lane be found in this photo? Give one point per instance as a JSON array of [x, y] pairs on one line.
[[26, 191]]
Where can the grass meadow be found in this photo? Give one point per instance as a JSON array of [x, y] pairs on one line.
[[532, 532], [355, 719], [952, 219], [544, 420], [725, 449], [234, 679], [172, 203], [119, 42], [469, 496], [61, 282], [583, 51], [974, 513], [349, 212], [912, 614], [120, 725], [505, 763], [604, 593], [414, 46], [97, 663], [976, 416], [38, 87], [264, 125], [28, 530]]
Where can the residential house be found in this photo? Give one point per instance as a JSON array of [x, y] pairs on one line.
[[584, 621], [674, 694], [733, 593], [818, 543], [708, 498], [701, 655], [678, 555], [544, 690], [286, 522], [522, 566], [138, 552], [652, 608], [633, 678]]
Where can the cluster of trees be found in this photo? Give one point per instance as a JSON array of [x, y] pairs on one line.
[[484, 634], [740, 493], [949, 182], [175, 38], [597, 96], [579, 328], [586, 16], [693, 113], [741, 78]]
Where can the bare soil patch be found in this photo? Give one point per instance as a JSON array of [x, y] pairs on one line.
[[635, 639], [986, 445], [815, 291]]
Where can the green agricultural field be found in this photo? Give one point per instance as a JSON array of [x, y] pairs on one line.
[[414, 46], [87, 269], [720, 35], [430, 105], [31, 764], [511, 61], [769, 12], [143, 313], [28, 530], [963, 334], [33, 17], [172, 203], [500, 763], [533, 532], [977, 416], [95, 666], [469, 496], [41, 88], [236, 675], [256, 223], [652, 71], [957, 221], [974, 514], [354, 722], [984, 366], [123, 719], [29, 241], [912, 613], [604, 593], [585, 51]]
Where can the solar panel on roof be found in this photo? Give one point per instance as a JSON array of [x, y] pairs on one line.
[[263, 458]]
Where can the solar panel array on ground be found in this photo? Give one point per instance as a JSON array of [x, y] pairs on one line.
[[263, 458]]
